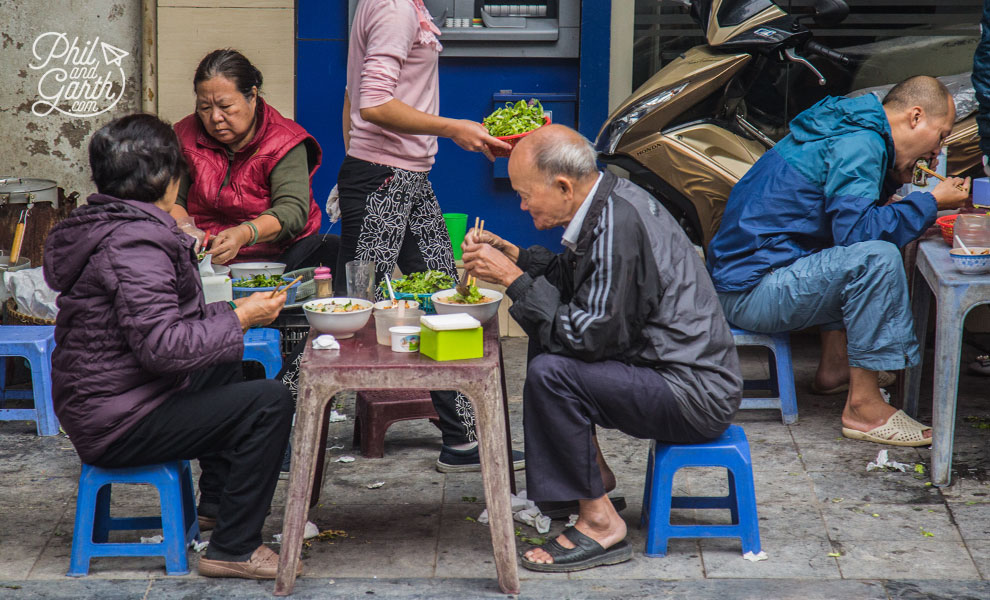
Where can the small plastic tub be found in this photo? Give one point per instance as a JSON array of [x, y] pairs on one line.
[[405, 338], [386, 319]]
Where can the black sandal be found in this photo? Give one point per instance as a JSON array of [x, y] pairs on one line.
[[585, 554]]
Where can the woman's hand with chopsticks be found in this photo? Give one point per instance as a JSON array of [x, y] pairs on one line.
[[952, 193], [260, 308]]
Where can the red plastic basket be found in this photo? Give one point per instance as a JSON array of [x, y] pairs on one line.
[[512, 140], [947, 224]]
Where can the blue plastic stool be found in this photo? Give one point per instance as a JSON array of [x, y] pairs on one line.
[[781, 383], [730, 451], [178, 522], [35, 343], [262, 345]]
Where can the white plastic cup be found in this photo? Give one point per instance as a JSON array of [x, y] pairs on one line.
[[405, 338]]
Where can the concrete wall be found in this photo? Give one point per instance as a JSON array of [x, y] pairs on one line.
[[53, 146], [263, 30]]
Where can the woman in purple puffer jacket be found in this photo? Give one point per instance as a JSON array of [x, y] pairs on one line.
[[143, 370]]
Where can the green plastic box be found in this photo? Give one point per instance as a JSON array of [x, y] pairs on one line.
[[455, 344]]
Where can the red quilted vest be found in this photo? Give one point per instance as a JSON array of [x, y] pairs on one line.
[[248, 193]]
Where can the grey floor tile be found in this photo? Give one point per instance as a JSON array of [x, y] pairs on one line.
[[973, 519], [967, 490], [786, 559], [874, 486], [924, 558], [980, 551], [937, 588], [850, 520], [847, 456]]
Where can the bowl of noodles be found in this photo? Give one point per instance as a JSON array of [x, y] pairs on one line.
[[340, 317], [481, 303]]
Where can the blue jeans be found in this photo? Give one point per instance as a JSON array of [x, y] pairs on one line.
[[861, 288]]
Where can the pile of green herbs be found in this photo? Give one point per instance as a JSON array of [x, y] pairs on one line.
[[260, 281], [515, 118], [424, 282]]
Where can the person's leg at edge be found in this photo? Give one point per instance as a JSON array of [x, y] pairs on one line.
[[564, 399], [880, 328], [862, 286], [248, 424], [833, 366]]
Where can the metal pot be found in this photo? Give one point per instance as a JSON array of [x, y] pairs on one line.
[[27, 190]]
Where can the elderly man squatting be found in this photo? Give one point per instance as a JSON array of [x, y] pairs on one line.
[[629, 332]]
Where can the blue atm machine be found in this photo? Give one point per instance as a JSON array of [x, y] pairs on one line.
[[494, 51]]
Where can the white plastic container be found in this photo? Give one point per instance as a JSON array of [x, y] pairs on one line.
[[405, 338], [216, 288]]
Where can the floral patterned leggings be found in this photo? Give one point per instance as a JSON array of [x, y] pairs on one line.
[[391, 216]]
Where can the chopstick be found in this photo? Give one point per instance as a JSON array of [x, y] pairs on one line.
[[472, 280], [937, 176], [282, 289]]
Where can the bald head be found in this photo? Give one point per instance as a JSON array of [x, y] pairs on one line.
[[927, 92], [556, 150]]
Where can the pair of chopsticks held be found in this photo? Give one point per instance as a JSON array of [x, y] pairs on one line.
[[478, 229], [282, 289], [939, 177]]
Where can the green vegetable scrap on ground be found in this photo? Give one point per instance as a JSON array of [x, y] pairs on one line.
[[424, 282], [261, 281], [515, 118]]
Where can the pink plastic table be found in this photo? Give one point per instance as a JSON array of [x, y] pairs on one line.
[[362, 363]]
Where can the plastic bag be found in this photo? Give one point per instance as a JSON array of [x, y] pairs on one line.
[[31, 293], [333, 205], [188, 226]]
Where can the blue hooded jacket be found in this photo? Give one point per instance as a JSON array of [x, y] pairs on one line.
[[820, 187]]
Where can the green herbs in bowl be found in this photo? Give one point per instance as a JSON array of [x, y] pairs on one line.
[[513, 119], [419, 287], [260, 281]]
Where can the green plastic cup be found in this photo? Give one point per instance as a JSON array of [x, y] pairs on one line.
[[456, 228]]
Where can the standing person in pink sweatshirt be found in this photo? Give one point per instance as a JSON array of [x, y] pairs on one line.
[[389, 213]]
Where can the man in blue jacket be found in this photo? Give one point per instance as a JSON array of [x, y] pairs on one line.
[[808, 238]]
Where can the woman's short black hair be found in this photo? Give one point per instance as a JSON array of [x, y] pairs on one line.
[[135, 158], [231, 64]]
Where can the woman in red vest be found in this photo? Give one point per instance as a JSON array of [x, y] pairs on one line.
[[249, 171]]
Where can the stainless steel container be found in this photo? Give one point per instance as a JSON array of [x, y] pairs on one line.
[[27, 190]]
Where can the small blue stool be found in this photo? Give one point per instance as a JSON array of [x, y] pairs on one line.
[[262, 345], [35, 343], [178, 522], [781, 383], [731, 451]]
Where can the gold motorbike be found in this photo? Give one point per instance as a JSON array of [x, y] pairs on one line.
[[695, 127]]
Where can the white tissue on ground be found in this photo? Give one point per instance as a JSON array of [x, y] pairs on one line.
[[198, 546], [882, 463], [375, 485], [336, 416], [155, 539], [310, 532], [344, 459], [525, 511], [572, 521], [326, 342], [756, 557]]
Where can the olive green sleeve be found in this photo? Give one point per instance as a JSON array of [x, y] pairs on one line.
[[184, 184], [289, 181]]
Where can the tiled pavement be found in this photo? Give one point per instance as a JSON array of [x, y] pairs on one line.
[[414, 537]]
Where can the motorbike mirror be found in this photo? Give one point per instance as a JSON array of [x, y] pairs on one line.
[[829, 13]]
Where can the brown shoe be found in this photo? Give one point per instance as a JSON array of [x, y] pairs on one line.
[[207, 523], [263, 564]]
